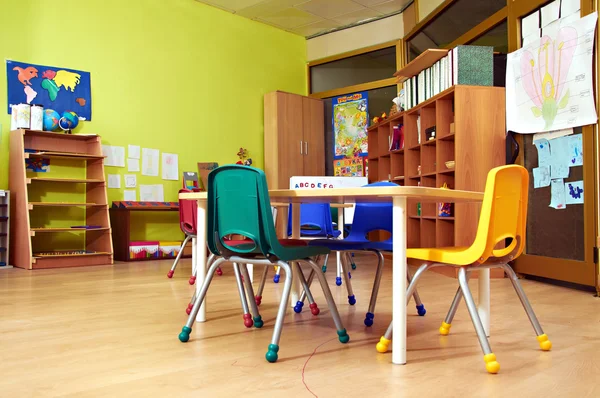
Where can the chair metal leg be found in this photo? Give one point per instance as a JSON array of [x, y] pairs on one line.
[[324, 267], [192, 280], [421, 311], [351, 297], [247, 316], [309, 281], [172, 270], [188, 310], [184, 336], [257, 319], [277, 276], [314, 309], [542, 338], [341, 331], [491, 364], [447, 324], [370, 315], [261, 286], [273, 349], [349, 262]]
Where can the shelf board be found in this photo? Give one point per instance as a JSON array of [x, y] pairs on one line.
[[398, 151], [63, 204], [71, 180], [37, 257], [389, 119], [423, 61], [47, 230], [415, 217], [61, 155], [429, 217], [427, 103], [448, 171], [415, 147], [74, 137], [430, 142], [449, 137], [432, 174], [398, 178], [446, 218], [387, 155]]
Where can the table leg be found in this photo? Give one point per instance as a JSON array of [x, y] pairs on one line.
[[483, 305], [338, 254], [295, 296], [200, 253], [399, 281]]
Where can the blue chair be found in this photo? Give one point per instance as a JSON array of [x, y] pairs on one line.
[[368, 217]]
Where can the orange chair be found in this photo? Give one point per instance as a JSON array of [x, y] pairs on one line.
[[503, 216]]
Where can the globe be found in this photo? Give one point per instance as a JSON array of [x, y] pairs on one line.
[[51, 118], [68, 121]]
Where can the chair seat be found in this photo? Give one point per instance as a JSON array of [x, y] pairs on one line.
[[293, 249], [312, 233], [448, 255], [349, 244], [284, 242]]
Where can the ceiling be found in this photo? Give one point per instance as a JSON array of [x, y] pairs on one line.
[[311, 17]]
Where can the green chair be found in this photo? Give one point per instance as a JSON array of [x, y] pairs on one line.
[[238, 203]]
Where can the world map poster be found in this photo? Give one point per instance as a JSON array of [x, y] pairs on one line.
[[350, 122], [60, 89]]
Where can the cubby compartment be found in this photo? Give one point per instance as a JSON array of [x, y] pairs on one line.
[[428, 160], [445, 153], [411, 136], [428, 233], [428, 209], [373, 143], [444, 233], [384, 168], [444, 116], [383, 137], [397, 167], [413, 163], [373, 170], [413, 232]]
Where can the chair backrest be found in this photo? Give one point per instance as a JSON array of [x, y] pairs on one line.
[[503, 213], [238, 203], [369, 217], [188, 212], [315, 216]]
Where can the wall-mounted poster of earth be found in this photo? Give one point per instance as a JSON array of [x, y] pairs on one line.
[[55, 88]]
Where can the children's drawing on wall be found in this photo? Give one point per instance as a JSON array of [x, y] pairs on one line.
[[170, 166], [150, 162], [60, 89], [350, 122]]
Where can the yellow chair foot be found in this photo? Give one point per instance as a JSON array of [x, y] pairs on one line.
[[491, 365], [445, 329], [545, 344], [383, 345]]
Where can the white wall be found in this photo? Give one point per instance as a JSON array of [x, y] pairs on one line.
[[377, 32]]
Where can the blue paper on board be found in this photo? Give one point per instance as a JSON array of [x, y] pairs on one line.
[[61, 89]]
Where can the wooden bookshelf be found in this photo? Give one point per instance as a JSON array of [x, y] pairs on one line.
[[83, 154], [476, 146]]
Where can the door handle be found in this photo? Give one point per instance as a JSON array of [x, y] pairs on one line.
[[300, 147], [306, 147]]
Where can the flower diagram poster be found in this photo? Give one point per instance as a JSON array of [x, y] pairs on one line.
[[350, 122], [60, 89], [549, 82]]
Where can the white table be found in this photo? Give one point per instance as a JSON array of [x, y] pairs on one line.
[[398, 197]]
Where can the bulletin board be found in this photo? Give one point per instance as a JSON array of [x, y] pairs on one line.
[[557, 233]]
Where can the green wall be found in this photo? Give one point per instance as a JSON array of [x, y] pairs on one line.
[[175, 75]]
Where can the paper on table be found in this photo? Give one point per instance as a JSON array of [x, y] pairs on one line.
[[115, 155], [133, 151], [575, 150], [114, 181], [170, 166], [130, 181], [571, 104], [557, 193], [129, 195], [574, 192], [568, 7], [530, 24], [133, 165], [152, 193], [551, 135], [550, 12], [541, 177], [543, 148], [150, 162]]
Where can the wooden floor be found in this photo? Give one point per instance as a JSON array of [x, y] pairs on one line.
[[112, 332]]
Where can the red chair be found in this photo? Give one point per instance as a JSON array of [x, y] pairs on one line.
[[188, 212]]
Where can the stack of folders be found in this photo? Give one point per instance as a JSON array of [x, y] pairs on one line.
[[468, 65]]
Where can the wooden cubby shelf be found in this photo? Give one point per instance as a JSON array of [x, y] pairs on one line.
[[470, 129], [71, 193]]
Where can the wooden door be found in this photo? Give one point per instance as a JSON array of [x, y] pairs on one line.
[[560, 243], [284, 144], [314, 136]]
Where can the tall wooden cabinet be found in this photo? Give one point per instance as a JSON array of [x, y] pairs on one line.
[[294, 138]]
